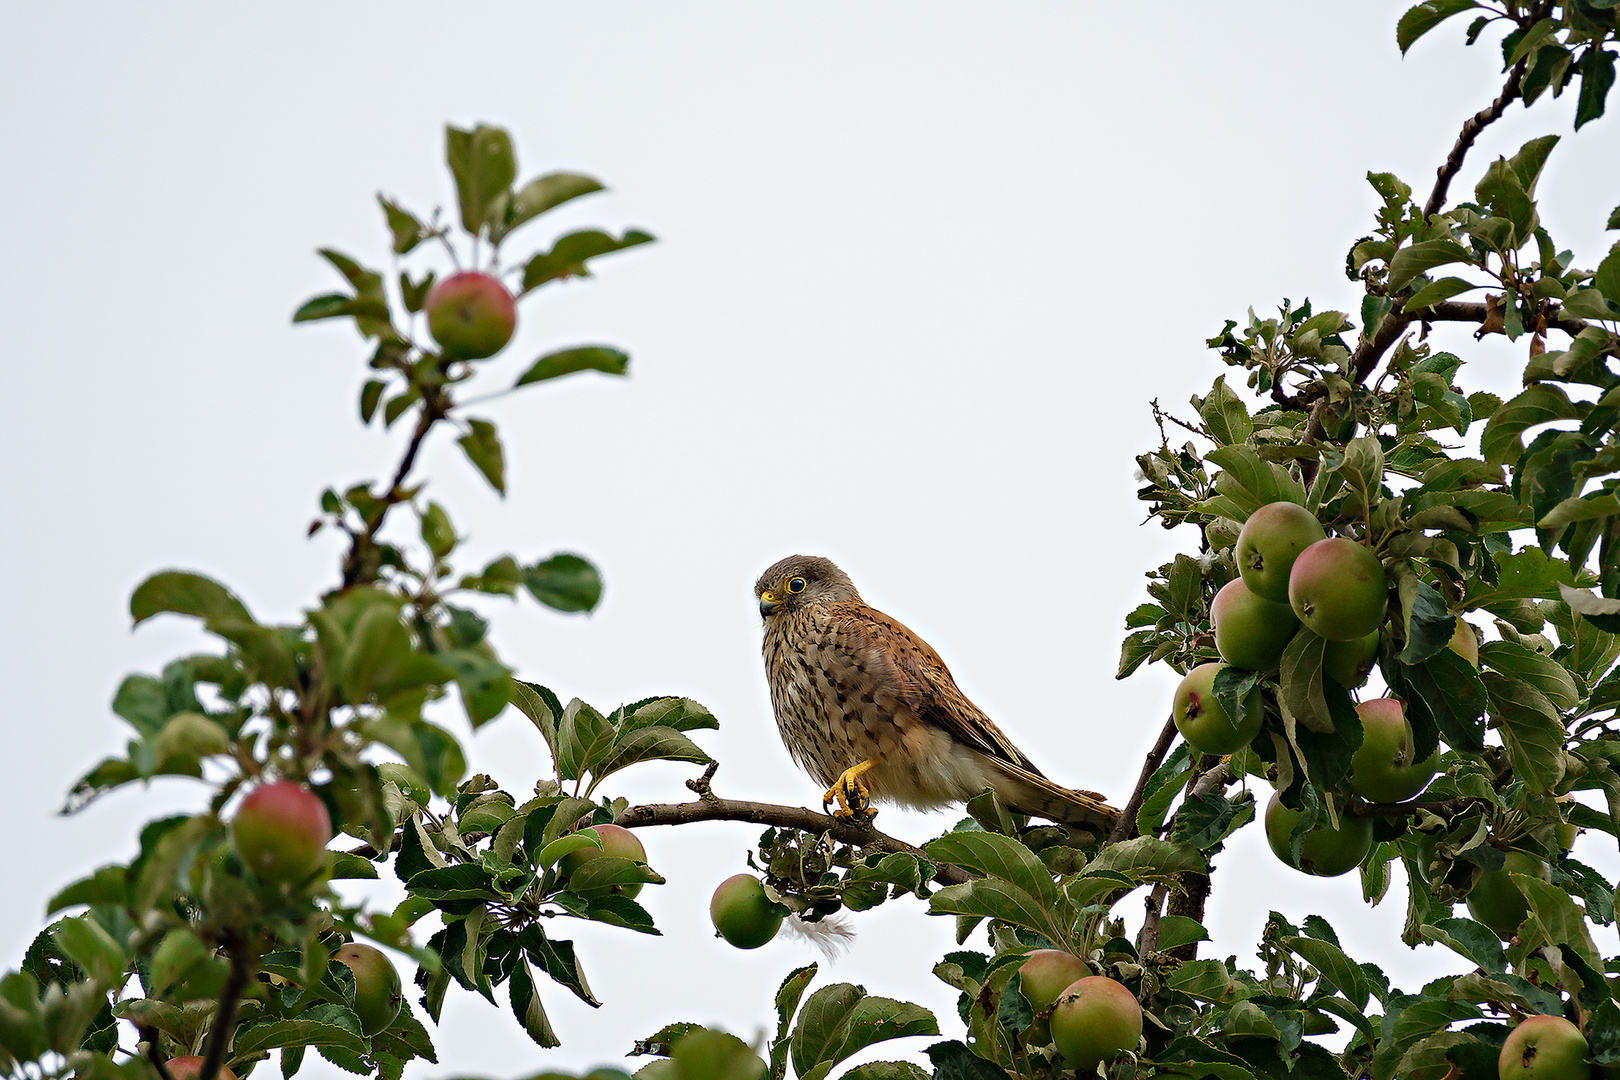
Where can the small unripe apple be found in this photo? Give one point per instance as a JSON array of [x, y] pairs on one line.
[[1338, 589], [470, 315], [1325, 851], [1348, 663], [1565, 832], [1251, 632], [377, 994], [1382, 769], [1497, 901], [1271, 540], [1095, 1020], [742, 913], [189, 1068], [1046, 973], [1544, 1048], [1464, 643], [281, 831], [616, 841], [1204, 723]]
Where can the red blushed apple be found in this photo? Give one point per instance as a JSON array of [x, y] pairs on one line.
[[1271, 540], [377, 994], [1326, 851], [189, 1068], [1095, 1020], [616, 841], [1544, 1048], [1251, 632], [742, 913], [1382, 769], [470, 315], [1338, 589], [1046, 973], [1204, 723], [281, 831]]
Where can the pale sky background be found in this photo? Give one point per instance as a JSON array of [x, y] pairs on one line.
[[920, 269]]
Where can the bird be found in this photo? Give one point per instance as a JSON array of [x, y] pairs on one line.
[[868, 708]]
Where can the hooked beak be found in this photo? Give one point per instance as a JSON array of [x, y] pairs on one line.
[[768, 603]]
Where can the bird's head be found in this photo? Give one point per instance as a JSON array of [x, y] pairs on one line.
[[801, 581]]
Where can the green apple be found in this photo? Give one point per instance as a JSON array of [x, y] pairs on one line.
[[616, 841], [742, 913], [1271, 540], [281, 831], [1326, 852], [1544, 1048], [1204, 724], [1251, 632], [470, 315], [377, 994], [1499, 903], [1382, 769], [189, 1068], [1338, 589], [1046, 973], [1095, 1020], [1348, 663]]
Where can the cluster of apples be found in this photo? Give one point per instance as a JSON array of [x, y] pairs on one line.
[[471, 315], [1092, 1018], [1292, 574], [280, 831]]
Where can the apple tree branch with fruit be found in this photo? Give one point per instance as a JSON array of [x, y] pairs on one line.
[[1356, 509]]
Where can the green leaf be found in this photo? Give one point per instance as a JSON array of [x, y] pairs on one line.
[[649, 744], [1596, 68], [1422, 18], [567, 845], [1470, 940], [1177, 930], [584, 737], [485, 684], [484, 167], [1539, 404], [886, 1070], [1436, 291], [1597, 504], [1429, 626], [1251, 481], [1554, 919], [1411, 261], [84, 941], [787, 1003], [536, 197], [581, 358], [840, 1020], [1531, 731], [1607, 278], [483, 448], [558, 960], [1539, 670], [1338, 969], [565, 582], [407, 230], [183, 594], [1600, 611], [323, 1025], [570, 254], [1002, 857], [531, 1015], [1225, 418], [108, 885], [325, 306], [607, 874]]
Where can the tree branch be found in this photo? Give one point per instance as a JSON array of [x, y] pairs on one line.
[[434, 408], [1125, 827], [1461, 311], [219, 1031], [1470, 131], [150, 1036], [856, 834]]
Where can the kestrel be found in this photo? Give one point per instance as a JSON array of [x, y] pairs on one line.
[[868, 708]]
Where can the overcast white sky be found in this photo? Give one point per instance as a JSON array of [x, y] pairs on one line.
[[920, 269]]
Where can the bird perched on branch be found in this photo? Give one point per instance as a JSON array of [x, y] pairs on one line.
[[868, 708]]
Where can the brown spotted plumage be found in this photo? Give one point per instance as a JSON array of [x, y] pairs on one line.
[[869, 709]]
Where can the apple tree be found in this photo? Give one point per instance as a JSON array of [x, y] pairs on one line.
[[1351, 508]]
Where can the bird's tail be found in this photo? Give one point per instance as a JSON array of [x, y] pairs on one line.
[[1030, 793]]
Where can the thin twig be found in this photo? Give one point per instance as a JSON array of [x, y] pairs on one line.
[[1125, 827], [149, 1035], [1473, 126], [850, 832], [433, 410]]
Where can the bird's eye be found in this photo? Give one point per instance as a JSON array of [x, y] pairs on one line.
[[795, 585]]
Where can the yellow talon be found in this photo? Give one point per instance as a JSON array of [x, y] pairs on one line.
[[852, 795]]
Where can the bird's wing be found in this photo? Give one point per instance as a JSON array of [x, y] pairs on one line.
[[922, 681]]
